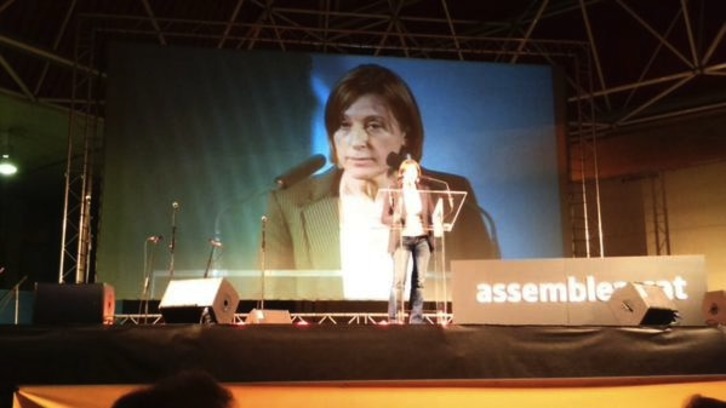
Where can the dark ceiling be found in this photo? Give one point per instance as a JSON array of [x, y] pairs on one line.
[[626, 61], [649, 57]]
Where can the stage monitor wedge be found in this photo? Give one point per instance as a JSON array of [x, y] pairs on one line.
[[714, 307], [208, 300], [73, 304], [639, 304]]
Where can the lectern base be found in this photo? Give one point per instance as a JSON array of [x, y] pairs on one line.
[[264, 316]]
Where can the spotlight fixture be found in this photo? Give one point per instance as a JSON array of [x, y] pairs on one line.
[[7, 167]]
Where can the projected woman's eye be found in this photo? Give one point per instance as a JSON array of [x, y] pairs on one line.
[[376, 126], [345, 124]]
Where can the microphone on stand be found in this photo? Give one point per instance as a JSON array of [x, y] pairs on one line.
[[148, 270], [448, 189], [172, 243], [264, 224], [174, 210], [214, 244], [301, 171], [263, 265]]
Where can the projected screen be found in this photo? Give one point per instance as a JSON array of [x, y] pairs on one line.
[[195, 139]]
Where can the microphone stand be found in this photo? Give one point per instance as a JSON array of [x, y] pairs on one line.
[[214, 244], [172, 243], [231, 204], [261, 303], [15, 290], [396, 205], [148, 268], [448, 189], [440, 256]]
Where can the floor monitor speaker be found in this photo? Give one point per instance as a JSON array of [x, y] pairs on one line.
[[714, 307], [70, 303], [208, 300], [639, 304]]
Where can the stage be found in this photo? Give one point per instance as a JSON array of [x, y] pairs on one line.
[[398, 358]]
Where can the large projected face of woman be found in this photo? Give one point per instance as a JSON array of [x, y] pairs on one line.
[[368, 133], [369, 114]]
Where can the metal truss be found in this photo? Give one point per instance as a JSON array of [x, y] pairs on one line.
[[81, 174], [659, 241], [584, 192], [678, 33], [137, 319], [343, 319], [599, 101], [571, 56]]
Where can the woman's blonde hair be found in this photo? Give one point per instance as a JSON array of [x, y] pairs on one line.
[[406, 164]]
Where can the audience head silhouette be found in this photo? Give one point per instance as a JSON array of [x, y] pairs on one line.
[[699, 401], [188, 389]]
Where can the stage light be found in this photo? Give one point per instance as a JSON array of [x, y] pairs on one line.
[[7, 167]]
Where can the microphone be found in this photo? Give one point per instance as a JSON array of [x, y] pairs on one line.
[[448, 189], [301, 171], [214, 243], [174, 210], [172, 244], [154, 239], [264, 227]]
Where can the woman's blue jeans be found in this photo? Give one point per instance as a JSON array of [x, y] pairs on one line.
[[418, 249]]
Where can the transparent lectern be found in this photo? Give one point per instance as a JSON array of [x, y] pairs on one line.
[[443, 208]]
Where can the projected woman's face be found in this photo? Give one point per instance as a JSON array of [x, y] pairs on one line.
[[368, 133]]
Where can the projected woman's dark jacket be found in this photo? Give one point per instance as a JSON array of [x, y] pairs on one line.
[[303, 230]]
